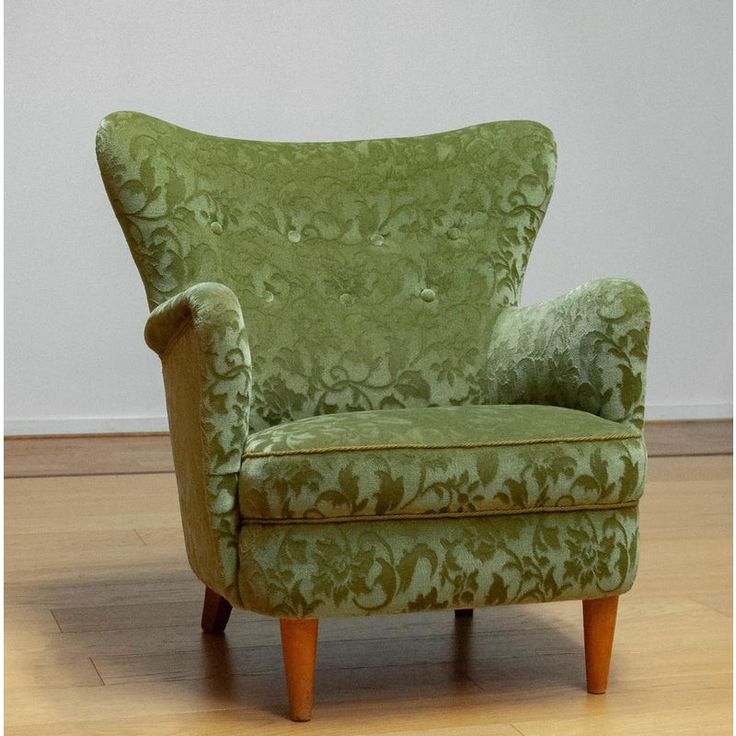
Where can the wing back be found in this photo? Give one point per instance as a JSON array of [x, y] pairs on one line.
[[369, 272]]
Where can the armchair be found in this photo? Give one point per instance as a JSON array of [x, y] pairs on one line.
[[405, 436]]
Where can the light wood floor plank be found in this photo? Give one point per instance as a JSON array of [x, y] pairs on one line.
[[88, 455], [699, 437], [102, 632], [112, 454]]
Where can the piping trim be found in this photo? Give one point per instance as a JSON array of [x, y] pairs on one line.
[[418, 446], [449, 515]]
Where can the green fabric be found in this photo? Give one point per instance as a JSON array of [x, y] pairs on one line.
[[201, 339], [359, 568], [379, 275], [445, 460], [370, 273], [585, 350]]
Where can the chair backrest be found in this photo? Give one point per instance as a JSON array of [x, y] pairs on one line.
[[369, 272]]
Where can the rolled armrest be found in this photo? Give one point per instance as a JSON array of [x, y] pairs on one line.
[[585, 350], [200, 336]]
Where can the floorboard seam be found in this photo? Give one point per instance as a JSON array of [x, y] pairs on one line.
[[56, 620], [92, 662], [137, 533]]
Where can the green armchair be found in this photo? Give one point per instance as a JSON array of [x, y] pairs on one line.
[[363, 419]]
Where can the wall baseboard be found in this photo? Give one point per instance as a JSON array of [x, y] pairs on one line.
[[684, 412], [103, 425], [85, 425]]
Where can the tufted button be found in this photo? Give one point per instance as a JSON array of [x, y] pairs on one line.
[[453, 233], [268, 296], [294, 236], [216, 228], [377, 239], [346, 299], [427, 295]]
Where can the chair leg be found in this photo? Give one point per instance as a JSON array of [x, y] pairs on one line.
[[463, 613], [299, 646], [599, 623], [215, 612]]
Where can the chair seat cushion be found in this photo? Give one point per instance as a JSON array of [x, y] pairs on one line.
[[439, 462]]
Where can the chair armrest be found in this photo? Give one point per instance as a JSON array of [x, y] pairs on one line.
[[585, 350], [200, 336]]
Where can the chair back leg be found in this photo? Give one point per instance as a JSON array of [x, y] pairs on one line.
[[215, 612]]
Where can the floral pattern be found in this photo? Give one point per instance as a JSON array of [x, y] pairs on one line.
[[360, 568], [444, 460], [379, 275], [200, 336], [370, 273], [585, 350]]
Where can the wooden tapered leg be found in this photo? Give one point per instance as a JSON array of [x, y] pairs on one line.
[[599, 623], [215, 612], [299, 645], [463, 612]]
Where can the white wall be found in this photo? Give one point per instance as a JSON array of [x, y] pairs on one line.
[[638, 94]]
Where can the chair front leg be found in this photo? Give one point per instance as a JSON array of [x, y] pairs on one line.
[[599, 623], [215, 612], [299, 646]]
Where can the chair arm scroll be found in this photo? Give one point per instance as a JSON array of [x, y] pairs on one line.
[[201, 339], [585, 350]]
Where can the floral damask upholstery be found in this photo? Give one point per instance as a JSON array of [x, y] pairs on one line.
[[363, 418], [439, 461]]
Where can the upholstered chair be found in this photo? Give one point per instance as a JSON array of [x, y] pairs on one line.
[[364, 420]]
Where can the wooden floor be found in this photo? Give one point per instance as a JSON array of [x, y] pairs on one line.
[[102, 632], [27, 457]]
